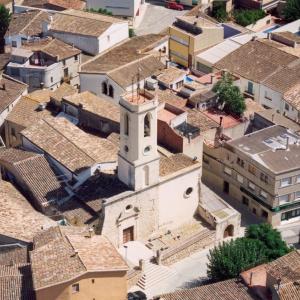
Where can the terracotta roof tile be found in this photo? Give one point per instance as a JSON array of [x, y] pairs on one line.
[[292, 96], [55, 4], [129, 51], [36, 174], [28, 221], [69, 145], [10, 90], [223, 290], [61, 255]]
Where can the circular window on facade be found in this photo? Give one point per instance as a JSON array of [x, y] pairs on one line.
[[147, 150], [128, 207], [188, 192], [126, 149]]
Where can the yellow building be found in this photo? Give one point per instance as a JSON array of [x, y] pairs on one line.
[[189, 35], [71, 265]]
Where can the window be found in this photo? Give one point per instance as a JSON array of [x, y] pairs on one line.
[[13, 132], [297, 195], [263, 194], [126, 149], [126, 124], [64, 62], [287, 107], [245, 201], [290, 214], [128, 207], [205, 160], [93, 280], [240, 162], [104, 88], [250, 88], [111, 91], [251, 186], [66, 72], [252, 169], [240, 178], [76, 57], [75, 288], [147, 149], [254, 210], [147, 125], [188, 191], [267, 96], [283, 199], [264, 214], [228, 171], [14, 43], [264, 177], [298, 179], [51, 79], [285, 182]]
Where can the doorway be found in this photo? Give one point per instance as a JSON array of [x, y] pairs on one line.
[[226, 187], [128, 234], [229, 231]]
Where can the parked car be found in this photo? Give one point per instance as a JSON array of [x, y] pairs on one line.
[[138, 295], [174, 5]]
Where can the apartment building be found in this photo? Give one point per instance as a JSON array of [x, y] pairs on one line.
[[261, 170], [190, 34]]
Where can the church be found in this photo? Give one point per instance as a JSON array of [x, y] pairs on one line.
[[162, 190]]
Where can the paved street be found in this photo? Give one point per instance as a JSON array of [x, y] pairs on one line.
[[156, 19]]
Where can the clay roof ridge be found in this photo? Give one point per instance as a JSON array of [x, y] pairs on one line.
[[68, 140], [39, 13]]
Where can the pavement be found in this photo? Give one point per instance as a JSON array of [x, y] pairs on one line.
[[157, 18]]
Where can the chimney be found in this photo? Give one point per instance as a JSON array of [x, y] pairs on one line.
[[142, 264], [3, 87], [278, 283], [254, 38]]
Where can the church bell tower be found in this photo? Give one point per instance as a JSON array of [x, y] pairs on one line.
[[138, 162]]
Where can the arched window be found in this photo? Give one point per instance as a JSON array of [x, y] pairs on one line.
[[104, 88], [111, 91], [126, 124], [147, 125]]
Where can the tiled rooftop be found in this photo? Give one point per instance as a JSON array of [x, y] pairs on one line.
[[54, 48], [175, 163], [69, 145], [129, 51], [10, 90], [82, 23], [35, 173], [95, 105], [55, 4], [249, 61], [28, 23], [224, 290], [62, 91], [60, 255], [292, 96], [18, 219]]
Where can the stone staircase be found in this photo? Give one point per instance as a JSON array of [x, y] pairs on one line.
[[153, 275]]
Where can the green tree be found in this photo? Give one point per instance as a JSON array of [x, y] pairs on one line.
[[229, 95], [245, 17], [219, 11], [271, 238], [229, 259], [291, 10], [5, 17]]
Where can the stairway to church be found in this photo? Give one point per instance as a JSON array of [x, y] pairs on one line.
[[154, 275]]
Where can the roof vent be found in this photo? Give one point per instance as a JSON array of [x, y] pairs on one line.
[[41, 106]]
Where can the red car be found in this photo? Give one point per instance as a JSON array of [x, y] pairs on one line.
[[174, 5]]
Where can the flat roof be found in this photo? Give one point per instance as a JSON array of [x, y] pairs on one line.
[[268, 147]]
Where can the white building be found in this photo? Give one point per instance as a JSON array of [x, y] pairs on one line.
[[45, 63], [92, 33], [111, 74]]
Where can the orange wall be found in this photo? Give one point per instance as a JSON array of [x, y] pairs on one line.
[[106, 286]]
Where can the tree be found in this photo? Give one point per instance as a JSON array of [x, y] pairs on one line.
[[231, 258], [245, 17], [229, 95], [291, 10], [4, 19], [219, 11], [271, 238]]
